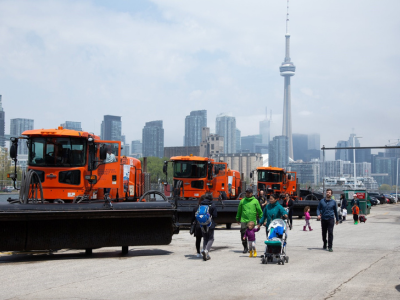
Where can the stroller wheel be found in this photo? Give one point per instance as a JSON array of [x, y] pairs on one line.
[[263, 261], [287, 259]]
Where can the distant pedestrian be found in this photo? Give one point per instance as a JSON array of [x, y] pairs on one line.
[[343, 206], [355, 200], [307, 217], [356, 211], [272, 211], [339, 211], [327, 212], [262, 199], [288, 203], [208, 230], [197, 230], [250, 235], [248, 210]]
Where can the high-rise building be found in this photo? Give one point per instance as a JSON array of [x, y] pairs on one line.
[[136, 147], [249, 143], [287, 70], [278, 152], [265, 130], [226, 127], [2, 125], [211, 143], [362, 155], [194, 124], [153, 139], [111, 128], [17, 127], [300, 146], [72, 125], [307, 172], [238, 141], [314, 141]]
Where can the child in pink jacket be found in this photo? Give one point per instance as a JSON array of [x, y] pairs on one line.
[[308, 217]]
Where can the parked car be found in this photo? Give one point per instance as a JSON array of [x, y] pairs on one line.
[[391, 198], [374, 201], [380, 197], [6, 189]]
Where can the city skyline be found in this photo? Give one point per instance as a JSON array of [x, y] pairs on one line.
[[214, 64]]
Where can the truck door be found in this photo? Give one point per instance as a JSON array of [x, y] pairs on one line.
[[107, 166]]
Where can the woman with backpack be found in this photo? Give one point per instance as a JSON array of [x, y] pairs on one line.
[[205, 215], [197, 230]]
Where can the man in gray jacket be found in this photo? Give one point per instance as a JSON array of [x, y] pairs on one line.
[[327, 212]]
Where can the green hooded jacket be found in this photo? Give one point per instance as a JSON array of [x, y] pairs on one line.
[[248, 210]]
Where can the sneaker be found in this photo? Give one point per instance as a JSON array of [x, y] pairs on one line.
[[205, 254], [245, 250], [324, 247], [198, 255], [330, 250], [208, 256]]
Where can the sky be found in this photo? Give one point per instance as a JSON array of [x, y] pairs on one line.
[[158, 60]]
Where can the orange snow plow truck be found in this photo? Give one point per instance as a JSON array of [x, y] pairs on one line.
[[73, 165]]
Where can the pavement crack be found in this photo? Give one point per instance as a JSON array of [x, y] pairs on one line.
[[331, 294]]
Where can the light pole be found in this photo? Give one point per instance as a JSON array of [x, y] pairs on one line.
[[354, 158], [397, 177]]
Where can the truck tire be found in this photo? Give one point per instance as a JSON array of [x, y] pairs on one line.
[[228, 225]]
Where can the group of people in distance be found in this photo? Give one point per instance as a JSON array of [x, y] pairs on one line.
[[254, 212]]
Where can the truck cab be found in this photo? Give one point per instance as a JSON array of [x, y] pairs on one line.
[[276, 181], [194, 176]]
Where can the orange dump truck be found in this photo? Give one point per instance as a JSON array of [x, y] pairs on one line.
[[193, 176], [276, 180]]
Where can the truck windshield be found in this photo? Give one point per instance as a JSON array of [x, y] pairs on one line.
[[61, 152], [190, 169], [270, 176]]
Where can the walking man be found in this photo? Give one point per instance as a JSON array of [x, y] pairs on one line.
[[327, 212], [248, 209]]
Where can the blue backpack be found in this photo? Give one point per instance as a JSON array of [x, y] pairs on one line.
[[203, 216]]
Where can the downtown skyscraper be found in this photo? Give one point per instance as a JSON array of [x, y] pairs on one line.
[[2, 125], [17, 127], [287, 70], [111, 128], [194, 124], [226, 127], [153, 139]]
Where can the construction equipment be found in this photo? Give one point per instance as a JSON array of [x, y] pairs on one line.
[[194, 176], [71, 197], [278, 181]]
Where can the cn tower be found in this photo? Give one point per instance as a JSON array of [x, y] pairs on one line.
[[287, 70]]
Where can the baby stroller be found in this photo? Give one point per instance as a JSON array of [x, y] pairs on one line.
[[275, 245], [362, 218]]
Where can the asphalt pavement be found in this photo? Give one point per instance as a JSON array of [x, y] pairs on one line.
[[364, 264]]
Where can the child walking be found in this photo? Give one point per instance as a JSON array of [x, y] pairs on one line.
[[308, 217], [250, 234], [339, 211], [355, 210]]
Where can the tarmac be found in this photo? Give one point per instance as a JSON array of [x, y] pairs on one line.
[[365, 264]]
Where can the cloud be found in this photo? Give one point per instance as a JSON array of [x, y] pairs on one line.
[[150, 60]]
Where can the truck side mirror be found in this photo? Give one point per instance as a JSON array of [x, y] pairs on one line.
[[103, 153], [251, 174], [289, 177], [14, 148]]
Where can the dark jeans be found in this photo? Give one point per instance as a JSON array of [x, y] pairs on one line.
[[355, 218], [327, 226], [198, 242], [290, 218], [208, 239], [243, 228]]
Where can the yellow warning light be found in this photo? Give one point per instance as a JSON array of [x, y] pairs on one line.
[[191, 155], [60, 128]]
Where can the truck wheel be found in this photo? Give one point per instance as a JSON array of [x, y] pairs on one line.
[[125, 249], [88, 251], [228, 225]]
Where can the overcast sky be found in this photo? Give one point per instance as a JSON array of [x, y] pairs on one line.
[[161, 59]]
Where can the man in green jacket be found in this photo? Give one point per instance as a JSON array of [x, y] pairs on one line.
[[248, 209]]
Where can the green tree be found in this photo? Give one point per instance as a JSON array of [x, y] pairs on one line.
[[155, 168], [384, 188]]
